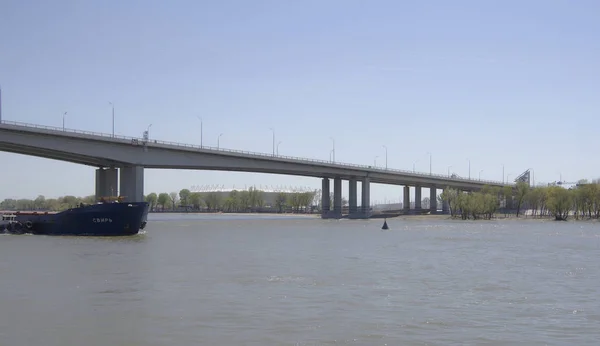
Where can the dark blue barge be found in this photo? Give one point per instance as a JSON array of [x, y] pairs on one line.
[[102, 219]]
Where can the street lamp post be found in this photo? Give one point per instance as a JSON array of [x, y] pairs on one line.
[[113, 118], [449, 171], [218, 140], [480, 174], [333, 150], [147, 133], [375, 161], [414, 163], [273, 140], [429, 162], [386, 165], [200, 131], [469, 168], [278, 147], [65, 113]]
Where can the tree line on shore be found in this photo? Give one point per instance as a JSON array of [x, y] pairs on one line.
[[580, 201], [250, 200], [234, 201]]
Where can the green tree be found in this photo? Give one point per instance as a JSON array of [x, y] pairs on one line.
[[184, 196], [195, 199], [280, 201], [163, 199], [174, 198], [213, 201], [521, 191], [560, 201], [151, 198]]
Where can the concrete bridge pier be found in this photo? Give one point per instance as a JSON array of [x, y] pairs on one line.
[[364, 212], [337, 198], [365, 205], [106, 182], [352, 197], [417, 198], [132, 183], [325, 198], [406, 199], [433, 199]]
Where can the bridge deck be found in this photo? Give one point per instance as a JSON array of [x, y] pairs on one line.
[[118, 139]]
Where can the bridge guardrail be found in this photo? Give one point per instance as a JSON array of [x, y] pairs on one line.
[[262, 155]]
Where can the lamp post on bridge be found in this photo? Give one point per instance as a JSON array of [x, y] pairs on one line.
[[449, 171], [147, 133], [386, 166], [200, 131], [469, 168], [218, 140], [414, 163], [333, 150], [113, 118], [278, 148], [273, 140], [429, 162], [65, 113], [375, 161], [480, 174]]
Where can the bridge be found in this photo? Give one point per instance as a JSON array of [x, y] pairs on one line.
[[126, 157]]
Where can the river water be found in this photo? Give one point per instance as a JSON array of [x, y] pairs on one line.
[[249, 280]]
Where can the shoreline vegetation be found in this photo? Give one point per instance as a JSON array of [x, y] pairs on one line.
[[185, 201], [554, 201]]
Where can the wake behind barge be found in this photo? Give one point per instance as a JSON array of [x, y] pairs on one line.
[[102, 219]]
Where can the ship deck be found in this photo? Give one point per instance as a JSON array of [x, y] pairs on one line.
[[27, 212]]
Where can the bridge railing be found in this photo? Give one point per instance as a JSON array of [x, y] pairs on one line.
[[262, 155]]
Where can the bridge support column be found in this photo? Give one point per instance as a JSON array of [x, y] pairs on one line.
[[433, 199], [337, 198], [406, 199], [325, 198], [106, 182], [417, 198], [352, 197], [365, 205], [132, 183]]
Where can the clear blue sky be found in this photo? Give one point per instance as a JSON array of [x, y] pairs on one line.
[[496, 82]]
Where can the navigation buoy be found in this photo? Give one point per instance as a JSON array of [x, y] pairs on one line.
[[385, 226]]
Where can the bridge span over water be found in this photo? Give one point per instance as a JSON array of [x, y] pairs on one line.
[[124, 158]]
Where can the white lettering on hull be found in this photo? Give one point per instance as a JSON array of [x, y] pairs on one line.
[[101, 220]]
